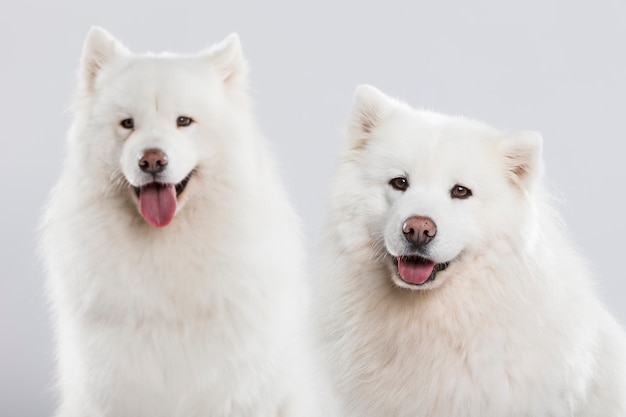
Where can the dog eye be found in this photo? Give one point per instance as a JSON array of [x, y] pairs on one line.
[[399, 183], [460, 192], [127, 123], [183, 121]]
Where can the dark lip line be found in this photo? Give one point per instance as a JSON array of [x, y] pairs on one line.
[[180, 187], [415, 256]]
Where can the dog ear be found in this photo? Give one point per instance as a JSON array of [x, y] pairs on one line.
[[228, 57], [369, 107], [99, 48], [522, 155]]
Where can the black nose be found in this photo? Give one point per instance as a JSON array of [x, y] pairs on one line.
[[152, 161], [419, 230]]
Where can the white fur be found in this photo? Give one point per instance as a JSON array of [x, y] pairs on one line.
[[204, 317], [511, 328]]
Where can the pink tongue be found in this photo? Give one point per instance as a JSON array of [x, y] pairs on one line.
[[414, 272], [157, 203]]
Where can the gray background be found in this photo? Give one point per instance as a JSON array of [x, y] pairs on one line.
[[556, 67]]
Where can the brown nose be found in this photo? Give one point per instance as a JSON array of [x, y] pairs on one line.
[[419, 230], [152, 161]]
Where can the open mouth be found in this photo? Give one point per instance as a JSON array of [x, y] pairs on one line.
[[158, 201], [179, 188], [417, 270]]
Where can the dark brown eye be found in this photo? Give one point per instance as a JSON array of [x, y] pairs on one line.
[[399, 183], [183, 121], [127, 123], [460, 192]]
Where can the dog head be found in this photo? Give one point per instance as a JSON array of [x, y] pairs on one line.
[[151, 125], [434, 189]]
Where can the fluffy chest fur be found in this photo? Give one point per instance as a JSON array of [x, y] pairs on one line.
[[158, 324], [468, 349]]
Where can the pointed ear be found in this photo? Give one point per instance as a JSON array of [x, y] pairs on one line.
[[99, 49], [369, 107], [227, 56], [522, 155]]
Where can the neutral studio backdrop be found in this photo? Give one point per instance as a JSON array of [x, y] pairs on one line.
[[554, 66]]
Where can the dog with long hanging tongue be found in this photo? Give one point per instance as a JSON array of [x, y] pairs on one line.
[[174, 256]]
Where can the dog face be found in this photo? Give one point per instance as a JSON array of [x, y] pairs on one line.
[[436, 188], [153, 125]]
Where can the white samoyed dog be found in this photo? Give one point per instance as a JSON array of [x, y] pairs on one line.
[[449, 286], [174, 256]]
